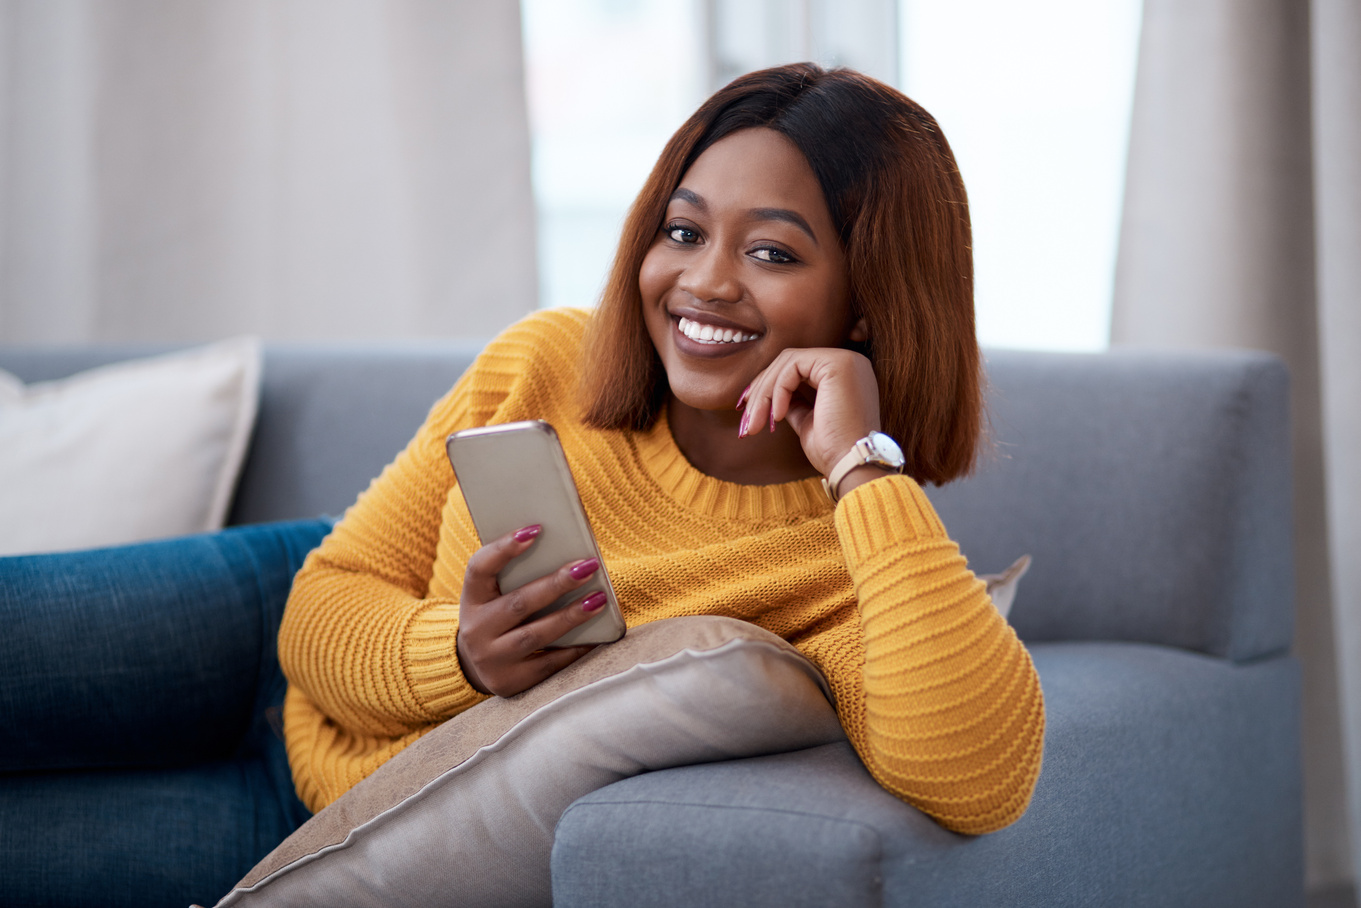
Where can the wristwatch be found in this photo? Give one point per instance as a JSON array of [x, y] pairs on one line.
[[875, 448]]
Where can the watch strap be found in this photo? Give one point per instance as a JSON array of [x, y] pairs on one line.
[[860, 454]]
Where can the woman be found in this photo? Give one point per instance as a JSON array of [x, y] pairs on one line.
[[794, 277]]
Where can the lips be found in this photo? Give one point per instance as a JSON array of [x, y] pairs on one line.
[[704, 333]]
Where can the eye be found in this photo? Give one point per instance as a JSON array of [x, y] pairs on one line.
[[774, 255], [680, 233]]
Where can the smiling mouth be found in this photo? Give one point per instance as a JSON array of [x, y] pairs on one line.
[[710, 334]]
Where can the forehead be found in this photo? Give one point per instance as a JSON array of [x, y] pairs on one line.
[[757, 168]]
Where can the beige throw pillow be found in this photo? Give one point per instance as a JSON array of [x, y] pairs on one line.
[[466, 814], [1002, 587], [136, 450]]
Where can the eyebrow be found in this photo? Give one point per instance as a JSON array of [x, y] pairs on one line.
[[760, 214]]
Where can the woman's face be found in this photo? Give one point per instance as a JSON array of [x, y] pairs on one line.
[[746, 264]]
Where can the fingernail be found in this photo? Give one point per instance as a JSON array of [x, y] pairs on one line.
[[584, 569], [772, 422], [742, 426], [743, 399], [527, 533], [593, 602]]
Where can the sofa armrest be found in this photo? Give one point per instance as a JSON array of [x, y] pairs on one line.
[[1170, 779], [1153, 490]]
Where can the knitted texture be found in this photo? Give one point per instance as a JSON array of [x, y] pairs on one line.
[[935, 691]]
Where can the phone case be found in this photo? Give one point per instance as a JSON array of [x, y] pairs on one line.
[[514, 475]]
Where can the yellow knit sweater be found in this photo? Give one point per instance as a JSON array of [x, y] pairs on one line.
[[935, 691]]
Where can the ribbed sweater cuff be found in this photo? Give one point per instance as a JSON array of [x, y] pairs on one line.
[[432, 662], [882, 514]]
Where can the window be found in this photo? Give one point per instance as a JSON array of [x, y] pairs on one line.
[[609, 81], [1034, 97]]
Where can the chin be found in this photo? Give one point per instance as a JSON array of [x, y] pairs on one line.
[[705, 395]]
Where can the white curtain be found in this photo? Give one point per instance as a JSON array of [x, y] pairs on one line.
[[745, 35], [292, 168], [1242, 227]]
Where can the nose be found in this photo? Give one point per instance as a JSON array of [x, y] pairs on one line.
[[711, 275]]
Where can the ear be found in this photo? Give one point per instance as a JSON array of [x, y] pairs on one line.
[[860, 332]]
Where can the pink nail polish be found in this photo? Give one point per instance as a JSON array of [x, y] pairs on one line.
[[742, 426], [528, 533], [743, 399], [772, 422], [593, 602], [584, 569]]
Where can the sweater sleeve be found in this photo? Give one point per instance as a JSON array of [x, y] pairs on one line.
[[360, 638], [369, 650], [952, 716]]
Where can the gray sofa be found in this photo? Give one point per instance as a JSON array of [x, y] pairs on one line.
[[1152, 491]]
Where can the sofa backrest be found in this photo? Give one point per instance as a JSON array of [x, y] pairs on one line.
[[1151, 489], [331, 415]]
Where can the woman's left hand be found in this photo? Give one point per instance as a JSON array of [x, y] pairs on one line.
[[828, 395]]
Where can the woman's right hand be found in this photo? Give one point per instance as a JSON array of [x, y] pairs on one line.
[[500, 651]]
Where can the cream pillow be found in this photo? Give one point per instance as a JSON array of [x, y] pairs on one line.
[[466, 814], [132, 451], [1002, 587]]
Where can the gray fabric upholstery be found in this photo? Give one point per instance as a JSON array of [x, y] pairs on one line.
[[1165, 783], [1153, 491], [332, 418]]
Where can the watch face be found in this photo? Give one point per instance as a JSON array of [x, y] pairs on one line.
[[885, 450]]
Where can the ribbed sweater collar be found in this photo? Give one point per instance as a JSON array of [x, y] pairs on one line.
[[703, 494]]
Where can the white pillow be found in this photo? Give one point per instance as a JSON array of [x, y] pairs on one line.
[[466, 814], [132, 451]]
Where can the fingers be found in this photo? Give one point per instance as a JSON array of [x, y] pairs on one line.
[[500, 649], [776, 390], [769, 398], [829, 396], [521, 637], [511, 662], [756, 400], [795, 371], [479, 577], [513, 609]]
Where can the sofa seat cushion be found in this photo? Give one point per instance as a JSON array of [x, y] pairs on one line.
[[470, 808], [1170, 779]]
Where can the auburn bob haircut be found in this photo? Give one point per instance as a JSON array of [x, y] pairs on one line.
[[895, 195]]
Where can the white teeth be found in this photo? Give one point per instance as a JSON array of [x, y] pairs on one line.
[[708, 334]]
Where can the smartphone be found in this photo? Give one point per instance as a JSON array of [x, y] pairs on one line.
[[515, 475]]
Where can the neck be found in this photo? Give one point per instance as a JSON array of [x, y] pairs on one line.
[[708, 439]]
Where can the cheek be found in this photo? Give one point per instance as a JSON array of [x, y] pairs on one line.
[[652, 282], [816, 314], [651, 288]]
